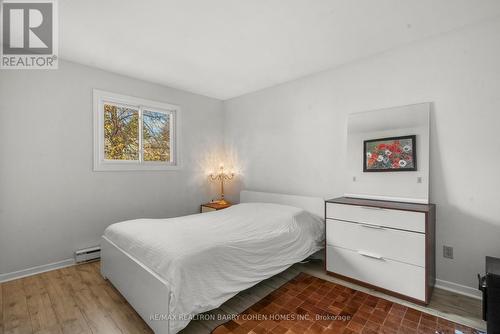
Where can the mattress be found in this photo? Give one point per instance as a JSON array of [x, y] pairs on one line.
[[208, 258]]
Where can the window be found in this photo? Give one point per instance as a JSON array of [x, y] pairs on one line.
[[134, 134]]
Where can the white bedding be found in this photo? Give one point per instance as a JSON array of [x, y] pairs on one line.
[[208, 258]]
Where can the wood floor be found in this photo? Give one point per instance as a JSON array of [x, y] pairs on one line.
[[309, 304], [444, 304], [77, 300]]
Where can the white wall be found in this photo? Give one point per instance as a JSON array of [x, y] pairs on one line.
[[292, 138], [51, 202]]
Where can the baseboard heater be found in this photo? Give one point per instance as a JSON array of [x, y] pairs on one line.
[[88, 254]]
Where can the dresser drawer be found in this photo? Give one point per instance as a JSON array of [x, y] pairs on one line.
[[405, 220], [405, 279], [392, 244]]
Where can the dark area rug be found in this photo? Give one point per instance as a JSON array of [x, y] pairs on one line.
[[309, 304]]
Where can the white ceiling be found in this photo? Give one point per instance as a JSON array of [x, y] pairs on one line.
[[226, 48]]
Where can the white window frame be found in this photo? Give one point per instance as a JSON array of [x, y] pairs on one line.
[[101, 164]]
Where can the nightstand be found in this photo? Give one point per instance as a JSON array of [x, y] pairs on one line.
[[214, 206]]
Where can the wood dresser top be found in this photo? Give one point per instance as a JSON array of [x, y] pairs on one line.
[[383, 204]]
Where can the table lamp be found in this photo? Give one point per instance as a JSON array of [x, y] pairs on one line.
[[222, 176]]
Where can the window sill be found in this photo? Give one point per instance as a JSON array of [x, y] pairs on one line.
[[124, 167]]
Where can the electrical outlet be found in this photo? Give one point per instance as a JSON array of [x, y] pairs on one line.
[[419, 179], [448, 252], [354, 179]]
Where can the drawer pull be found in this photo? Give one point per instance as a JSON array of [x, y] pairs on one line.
[[376, 227], [373, 256]]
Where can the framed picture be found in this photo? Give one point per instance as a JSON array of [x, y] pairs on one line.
[[392, 154]]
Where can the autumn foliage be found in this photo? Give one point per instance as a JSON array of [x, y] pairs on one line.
[[122, 129]]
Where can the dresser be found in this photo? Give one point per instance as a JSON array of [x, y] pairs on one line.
[[383, 245]]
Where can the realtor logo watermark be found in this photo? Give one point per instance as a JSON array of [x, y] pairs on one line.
[[29, 33]]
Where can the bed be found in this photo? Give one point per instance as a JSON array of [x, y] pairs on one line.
[[172, 269]]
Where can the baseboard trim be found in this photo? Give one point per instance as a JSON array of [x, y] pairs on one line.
[[36, 270], [458, 288]]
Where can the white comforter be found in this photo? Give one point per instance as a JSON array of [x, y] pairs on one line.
[[208, 258]]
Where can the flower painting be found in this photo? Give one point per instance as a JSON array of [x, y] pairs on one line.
[[394, 154]]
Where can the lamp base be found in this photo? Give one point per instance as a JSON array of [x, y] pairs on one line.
[[222, 202]]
